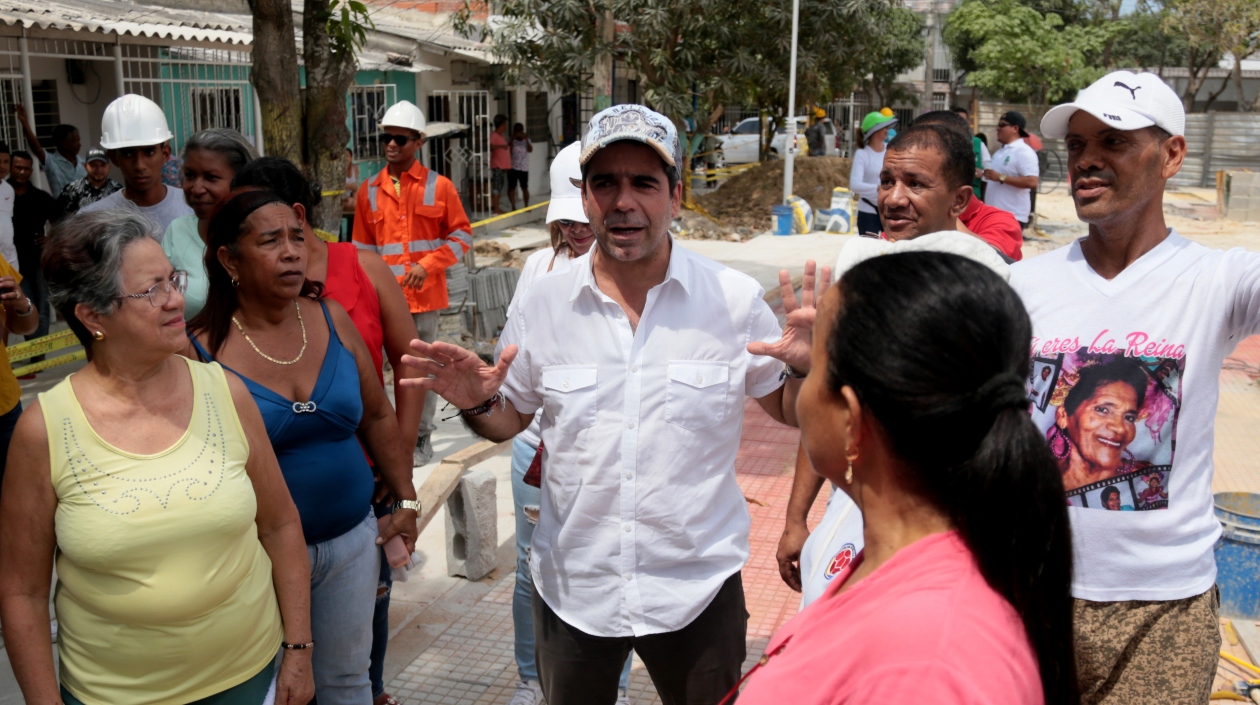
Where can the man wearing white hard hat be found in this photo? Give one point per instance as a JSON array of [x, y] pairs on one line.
[[637, 358], [571, 237], [1134, 322], [135, 136], [413, 218]]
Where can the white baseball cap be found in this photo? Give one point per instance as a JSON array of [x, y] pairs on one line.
[[632, 122], [566, 199], [1125, 101]]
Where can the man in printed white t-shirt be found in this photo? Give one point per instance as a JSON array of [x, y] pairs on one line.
[[1013, 172], [638, 358], [1134, 322]]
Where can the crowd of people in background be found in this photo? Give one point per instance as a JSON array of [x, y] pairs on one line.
[[976, 419]]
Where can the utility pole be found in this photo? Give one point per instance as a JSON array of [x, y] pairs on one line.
[[929, 63], [602, 76], [790, 147]]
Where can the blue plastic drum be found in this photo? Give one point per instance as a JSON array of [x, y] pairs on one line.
[[1238, 554]]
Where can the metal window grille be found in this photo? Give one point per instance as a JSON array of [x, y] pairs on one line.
[[536, 112], [197, 88], [940, 101], [367, 106], [464, 158], [45, 114]]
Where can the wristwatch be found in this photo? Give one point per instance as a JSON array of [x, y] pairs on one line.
[[1001, 178], [407, 504]]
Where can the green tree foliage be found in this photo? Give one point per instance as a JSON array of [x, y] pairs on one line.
[[1019, 54], [894, 48], [694, 56]]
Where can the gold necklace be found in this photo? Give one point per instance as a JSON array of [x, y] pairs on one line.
[[267, 357]]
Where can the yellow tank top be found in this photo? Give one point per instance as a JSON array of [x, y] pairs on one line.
[[164, 592]]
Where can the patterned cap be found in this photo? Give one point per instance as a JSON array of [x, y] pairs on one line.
[[632, 122]]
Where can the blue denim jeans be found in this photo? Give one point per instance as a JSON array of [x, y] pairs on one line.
[[523, 496], [380, 616], [344, 574]]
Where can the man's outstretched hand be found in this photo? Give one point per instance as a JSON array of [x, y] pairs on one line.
[[798, 331], [456, 374]]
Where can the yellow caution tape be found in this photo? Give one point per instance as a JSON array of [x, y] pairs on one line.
[[41, 346], [49, 363], [504, 216]]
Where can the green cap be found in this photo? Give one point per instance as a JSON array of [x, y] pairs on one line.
[[873, 122]]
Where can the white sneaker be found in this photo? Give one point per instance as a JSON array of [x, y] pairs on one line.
[[527, 693], [624, 698]]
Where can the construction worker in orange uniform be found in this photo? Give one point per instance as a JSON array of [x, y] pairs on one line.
[[412, 217]]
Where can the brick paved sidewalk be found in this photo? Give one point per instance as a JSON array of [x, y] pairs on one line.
[[472, 662]]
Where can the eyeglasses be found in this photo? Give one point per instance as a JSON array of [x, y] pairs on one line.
[[177, 282], [567, 223], [1004, 124], [400, 140]]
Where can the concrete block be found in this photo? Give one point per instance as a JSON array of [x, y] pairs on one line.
[[472, 527]]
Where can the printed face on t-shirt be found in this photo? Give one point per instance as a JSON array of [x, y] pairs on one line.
[[1109, 412]]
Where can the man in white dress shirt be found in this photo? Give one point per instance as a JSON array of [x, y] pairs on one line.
[[638, 358]]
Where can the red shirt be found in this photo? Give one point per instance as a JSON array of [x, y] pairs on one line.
[[925, 627], [500, 158], [348, 285], [996, 227]]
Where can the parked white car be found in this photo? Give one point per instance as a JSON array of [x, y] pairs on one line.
[[744, 141]]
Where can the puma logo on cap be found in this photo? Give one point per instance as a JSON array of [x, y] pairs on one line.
[[1132, 91]]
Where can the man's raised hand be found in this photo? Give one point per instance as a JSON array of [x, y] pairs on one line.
[[798, 331], [456, 374]]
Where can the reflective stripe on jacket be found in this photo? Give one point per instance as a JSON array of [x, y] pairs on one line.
[[425, 227]]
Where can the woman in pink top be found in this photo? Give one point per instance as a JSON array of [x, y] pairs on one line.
[[915, 405]]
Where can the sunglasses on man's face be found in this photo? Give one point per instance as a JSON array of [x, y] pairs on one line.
[[400, 140], [1004, 124]]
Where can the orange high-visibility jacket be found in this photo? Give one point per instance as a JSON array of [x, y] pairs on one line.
[[425, 227]]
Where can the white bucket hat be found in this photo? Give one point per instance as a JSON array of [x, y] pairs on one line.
[[1124, 100], [566, 199]]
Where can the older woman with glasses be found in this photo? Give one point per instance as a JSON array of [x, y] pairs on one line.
[[323, 406], [149, 478]]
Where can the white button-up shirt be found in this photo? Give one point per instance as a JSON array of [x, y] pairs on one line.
[[641, 519]]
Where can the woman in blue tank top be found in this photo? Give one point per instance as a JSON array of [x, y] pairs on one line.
[[314, 382]]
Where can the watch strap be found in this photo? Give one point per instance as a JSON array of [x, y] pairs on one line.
[[407, 504]]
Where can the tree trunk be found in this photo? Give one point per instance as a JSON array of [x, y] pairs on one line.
[[1236, 74], [275, 77], [1198, 74], [328, 77], [1216, 94]]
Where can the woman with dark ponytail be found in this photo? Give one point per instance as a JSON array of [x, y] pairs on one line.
[[915, 405]]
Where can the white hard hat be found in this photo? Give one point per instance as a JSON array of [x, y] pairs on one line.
[[404, 114], [566, 199], [133, 121]]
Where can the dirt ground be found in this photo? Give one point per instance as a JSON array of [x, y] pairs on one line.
[[1190, 211], [745, 199]]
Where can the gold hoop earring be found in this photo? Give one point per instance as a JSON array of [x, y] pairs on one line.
[[98, 335]]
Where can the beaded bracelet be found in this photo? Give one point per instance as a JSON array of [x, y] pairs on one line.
[[486, 408], [290, 647]]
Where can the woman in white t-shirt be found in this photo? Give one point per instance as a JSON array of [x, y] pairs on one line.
[[571, 237], [864, 174]]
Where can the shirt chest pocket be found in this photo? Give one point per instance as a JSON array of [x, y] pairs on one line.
[[696, 394], [569, 396]]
